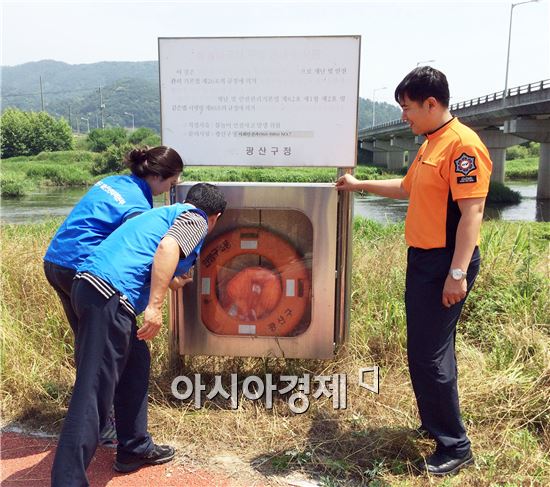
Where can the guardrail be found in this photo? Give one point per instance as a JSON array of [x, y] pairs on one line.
[[499, 95]]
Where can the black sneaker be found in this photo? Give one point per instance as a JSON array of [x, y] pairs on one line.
[[108, 433], [441, 464], [158, 455]]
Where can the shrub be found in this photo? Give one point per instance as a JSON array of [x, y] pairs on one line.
[[29, 133], [500, 193], [152, 140], [523, 151], [533, 149], [100, 139], [13, 187], [112, 159], [142, 133], [516, 152]]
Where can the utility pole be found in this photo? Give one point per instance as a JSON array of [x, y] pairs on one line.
[[374, 103], [101, 108], [41, 94], [505, 92], [87, 121], [70, 119], [133, 123]]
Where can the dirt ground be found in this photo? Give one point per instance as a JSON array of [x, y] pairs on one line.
[[26, 459]]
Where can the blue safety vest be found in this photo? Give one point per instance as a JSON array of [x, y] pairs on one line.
[[125, 258], [102, 209]]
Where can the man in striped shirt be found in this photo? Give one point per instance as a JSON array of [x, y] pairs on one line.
[[127, 274]]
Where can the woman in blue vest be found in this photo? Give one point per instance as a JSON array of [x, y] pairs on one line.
[[108, 204]]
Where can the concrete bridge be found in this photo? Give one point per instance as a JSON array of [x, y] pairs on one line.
[[501, 121]]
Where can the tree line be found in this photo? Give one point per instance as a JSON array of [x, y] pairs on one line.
[[30, 133]]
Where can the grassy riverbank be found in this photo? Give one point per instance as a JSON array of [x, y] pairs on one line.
[[21, 175], [502, 346], [525, 168]]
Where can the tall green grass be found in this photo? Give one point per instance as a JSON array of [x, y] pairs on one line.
[[14, 185], [503, 349]]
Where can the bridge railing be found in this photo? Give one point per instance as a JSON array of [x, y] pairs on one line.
[[499, 95]]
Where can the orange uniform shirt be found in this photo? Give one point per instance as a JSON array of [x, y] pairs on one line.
[[451, 164]]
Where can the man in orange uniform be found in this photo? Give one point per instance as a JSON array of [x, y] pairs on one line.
[[446, 185]]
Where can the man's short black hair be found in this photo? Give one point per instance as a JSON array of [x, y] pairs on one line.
[[206, 197], [421, 83]]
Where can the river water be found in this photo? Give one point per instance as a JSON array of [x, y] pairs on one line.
[[529, 209], [48, 203]]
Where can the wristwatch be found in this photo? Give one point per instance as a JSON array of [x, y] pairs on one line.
[[457, 274]]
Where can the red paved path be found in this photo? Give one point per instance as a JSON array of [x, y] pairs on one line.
[[26, 461]]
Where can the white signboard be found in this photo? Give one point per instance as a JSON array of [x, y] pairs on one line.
[[261, 101]]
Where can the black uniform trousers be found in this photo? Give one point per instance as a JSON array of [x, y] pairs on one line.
[[61, 279], [431, 333], [111, 363]]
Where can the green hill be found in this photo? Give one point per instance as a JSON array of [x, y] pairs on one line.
[[72, 91]]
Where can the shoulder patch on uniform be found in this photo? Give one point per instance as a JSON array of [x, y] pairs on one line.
[[466, 179], [465, 164]]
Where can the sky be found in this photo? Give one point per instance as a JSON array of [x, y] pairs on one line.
[[467, 40]]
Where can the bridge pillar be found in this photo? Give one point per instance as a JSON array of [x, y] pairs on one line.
[[394, 156], [498, 157], [380, 158], [543, 183], [537, 130], [376, 156], [497, 142], [364, 156], [408, 144], [396, 160]]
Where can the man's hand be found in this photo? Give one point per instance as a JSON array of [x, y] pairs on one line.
[[453, 291], [347, 182], [152, 321], [164, 265], [389, 188], [180, 281]]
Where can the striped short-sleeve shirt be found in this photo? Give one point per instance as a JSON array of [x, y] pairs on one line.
[[188, 230]]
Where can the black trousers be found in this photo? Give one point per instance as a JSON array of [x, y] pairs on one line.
[[431, 332], [61, 279], [111, 363]]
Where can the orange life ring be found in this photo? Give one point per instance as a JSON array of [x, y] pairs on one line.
[[252, 294], [256, 299]]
